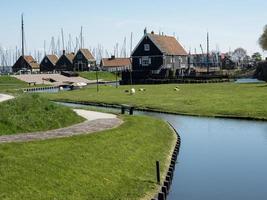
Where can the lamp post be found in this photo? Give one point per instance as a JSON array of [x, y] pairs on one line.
[[116, 77], [96, 74]]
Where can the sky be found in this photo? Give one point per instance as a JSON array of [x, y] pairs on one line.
[[231, 24]]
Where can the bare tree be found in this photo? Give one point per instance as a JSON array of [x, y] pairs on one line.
[[240, 54]]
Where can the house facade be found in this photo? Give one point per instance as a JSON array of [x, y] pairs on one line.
[[155, 53], [83, 60], [48, 64], [115, 64], [65, 62], [26, 63]]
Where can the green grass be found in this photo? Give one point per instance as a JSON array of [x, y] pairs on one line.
[[115, 164], [29, 113], [8, 83], [105, 76], [222, 99]]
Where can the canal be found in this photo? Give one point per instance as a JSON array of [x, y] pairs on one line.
[[219, 158]]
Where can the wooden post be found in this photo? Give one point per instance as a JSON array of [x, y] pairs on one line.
[[158, 172], [131, 110], [122, 110]]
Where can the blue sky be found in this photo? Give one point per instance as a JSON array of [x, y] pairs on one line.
[[231, 23]]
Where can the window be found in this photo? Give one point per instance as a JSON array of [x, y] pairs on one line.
[[146, 61], [79, 56], [146, 47]]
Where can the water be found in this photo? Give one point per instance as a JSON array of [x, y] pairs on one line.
[[48, 90], [248, 80], [219, 158]]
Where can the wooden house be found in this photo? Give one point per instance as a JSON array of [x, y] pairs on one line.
[[155, 53], [115, 64], [83, 60], [65, 62], [48, 63], [227, 62], [26, 63]]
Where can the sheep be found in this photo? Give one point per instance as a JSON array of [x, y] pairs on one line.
[[132, 91]]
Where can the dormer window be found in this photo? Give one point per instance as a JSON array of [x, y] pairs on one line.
[[146, 47]]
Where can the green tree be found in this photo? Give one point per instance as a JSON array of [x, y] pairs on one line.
[[257, 57], [263, 39]]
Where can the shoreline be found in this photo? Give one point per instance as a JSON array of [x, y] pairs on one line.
[[155, 110]]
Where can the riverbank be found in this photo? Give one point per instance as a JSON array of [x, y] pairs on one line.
[[31, 113], [116, 164], [228, 100]]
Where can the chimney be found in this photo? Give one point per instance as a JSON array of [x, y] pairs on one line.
[[112, 58], [145, 31]]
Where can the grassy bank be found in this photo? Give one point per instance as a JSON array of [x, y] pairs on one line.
[[115, 164], [29, 113], [105, 76], [223, 99], [8, 83]]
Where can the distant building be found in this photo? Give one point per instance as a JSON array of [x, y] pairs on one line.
[[155, 53], [227, 62], [115, 64], [83, 60], [201, 60], [26, 63], [65, 62], [48, 63]]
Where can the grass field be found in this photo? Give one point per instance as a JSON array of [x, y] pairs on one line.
[[8, 83], [223, 99], [105, 76], [115, 164], [29, 113]]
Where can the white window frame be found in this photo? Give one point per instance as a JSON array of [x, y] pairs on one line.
[[146, 61], [147, 47]]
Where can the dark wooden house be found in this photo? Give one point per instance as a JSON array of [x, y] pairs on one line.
[[155, 53], [83, 60], [26, 63], [115, 64], [48, 63], [65, 62], [227, 62]]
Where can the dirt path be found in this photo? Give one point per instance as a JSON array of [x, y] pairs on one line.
[[5, 97], [95, 122]]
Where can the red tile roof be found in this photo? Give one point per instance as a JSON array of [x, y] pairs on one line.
[[70, 56], [33, 63], [167, 44], [53, 59], [87, 54], [115, 62]]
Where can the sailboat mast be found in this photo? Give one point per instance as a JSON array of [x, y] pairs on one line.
[[208, 52], [81, 42], [22, 35], [62, 37]]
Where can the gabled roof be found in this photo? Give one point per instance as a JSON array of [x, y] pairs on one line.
[[70, 56], [115, 62], [167, 44], [53, 59], [87, 54], [32, 62]]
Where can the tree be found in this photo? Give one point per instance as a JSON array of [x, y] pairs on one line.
[[240, 54], [261, 71], [257, 57], [263, 39]]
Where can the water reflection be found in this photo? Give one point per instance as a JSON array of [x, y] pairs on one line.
[[219, 159]]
